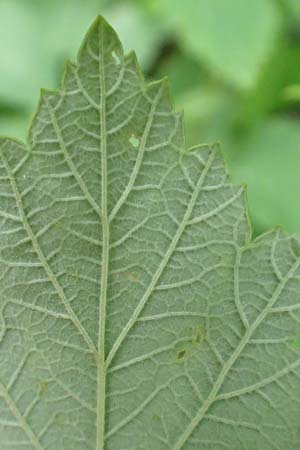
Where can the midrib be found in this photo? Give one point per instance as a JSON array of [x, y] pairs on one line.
[[101, 372]]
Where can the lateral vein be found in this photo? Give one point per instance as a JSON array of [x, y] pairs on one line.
[[163, 264], [70, 163], [231, 361], [43, 259], [34, 441]]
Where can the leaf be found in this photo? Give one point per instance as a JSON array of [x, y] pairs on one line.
[[208, 112], [234, 38], [39, 60], [268, 157], [272, 89], [183, 72], [292, 8], [13, 124], [35, 47], [135, 311], [148, 36]]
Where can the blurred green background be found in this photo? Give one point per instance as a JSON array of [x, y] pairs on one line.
[[234, 67]]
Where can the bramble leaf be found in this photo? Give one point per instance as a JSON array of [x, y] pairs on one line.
[[135, 312]]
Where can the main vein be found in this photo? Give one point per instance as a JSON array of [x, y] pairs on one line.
[[101, 372]]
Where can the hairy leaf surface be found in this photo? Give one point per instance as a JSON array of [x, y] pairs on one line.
[[136, 313]]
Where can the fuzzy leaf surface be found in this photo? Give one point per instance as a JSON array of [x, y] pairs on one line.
[[135, 312]]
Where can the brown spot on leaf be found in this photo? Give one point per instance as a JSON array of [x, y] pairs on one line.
[[131, 277], [181, 354]]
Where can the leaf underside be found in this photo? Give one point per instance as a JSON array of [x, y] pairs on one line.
[[135, 312]]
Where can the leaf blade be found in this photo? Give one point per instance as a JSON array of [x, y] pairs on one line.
[[131, 292]]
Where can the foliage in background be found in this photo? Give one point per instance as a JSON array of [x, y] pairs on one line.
[[234, 67]]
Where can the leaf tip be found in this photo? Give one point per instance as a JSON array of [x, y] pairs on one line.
[[106, 35]]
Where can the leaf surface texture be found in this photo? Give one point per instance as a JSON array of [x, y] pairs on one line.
[[136, 313]]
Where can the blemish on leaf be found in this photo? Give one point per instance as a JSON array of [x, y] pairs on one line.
[[43, 386], [116, 58], [181, 354], [131, 277], [156, 417], [59, 420], [74, 274], [134, 141], [59, 223], [199, 335]]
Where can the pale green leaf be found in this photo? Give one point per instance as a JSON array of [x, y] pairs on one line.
[[148, 34], [293, 9], [234, 37], [34, 49], [135, 312], [268, 158], [34, 43]]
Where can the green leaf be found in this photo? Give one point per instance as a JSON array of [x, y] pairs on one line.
[[268, 157], [13, 124], [275, 86], [30, 62], [293, 9], [183, 73], [234, 37], [34, 43], [135, 311], [148, 34], [209, 111]]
